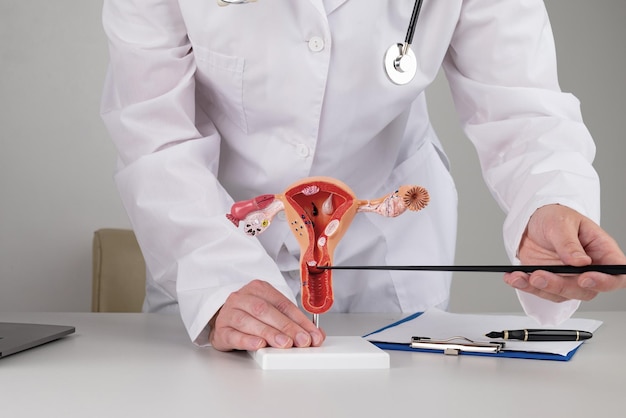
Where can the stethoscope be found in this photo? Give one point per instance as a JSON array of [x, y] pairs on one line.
[[400, 62]]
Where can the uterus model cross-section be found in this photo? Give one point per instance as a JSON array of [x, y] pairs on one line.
[[319, 211]]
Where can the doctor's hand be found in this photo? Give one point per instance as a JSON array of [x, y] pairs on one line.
[[559, 235], [257, 316]]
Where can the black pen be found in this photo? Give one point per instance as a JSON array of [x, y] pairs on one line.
[[541, 335]]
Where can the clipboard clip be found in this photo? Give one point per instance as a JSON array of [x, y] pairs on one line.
[[453, 346]]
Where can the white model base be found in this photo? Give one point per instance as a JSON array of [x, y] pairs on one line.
[[335, 353]]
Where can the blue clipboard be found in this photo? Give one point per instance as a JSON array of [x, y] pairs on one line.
[[503, 353]]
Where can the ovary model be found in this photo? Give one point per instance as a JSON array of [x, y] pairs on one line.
[[319, 211]]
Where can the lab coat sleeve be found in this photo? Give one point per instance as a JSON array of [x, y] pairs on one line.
[[167, 168], [532, 144]]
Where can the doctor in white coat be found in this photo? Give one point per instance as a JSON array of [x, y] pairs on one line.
[[208, 105]]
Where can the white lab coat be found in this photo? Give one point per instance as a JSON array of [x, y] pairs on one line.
[[209, 104]]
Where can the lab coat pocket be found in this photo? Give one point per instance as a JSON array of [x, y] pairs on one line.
[[219, 79], [428, 167]]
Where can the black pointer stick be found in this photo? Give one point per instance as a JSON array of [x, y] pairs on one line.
[[558, 269]]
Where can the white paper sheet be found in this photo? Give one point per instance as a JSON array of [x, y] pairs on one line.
[[438, 324]]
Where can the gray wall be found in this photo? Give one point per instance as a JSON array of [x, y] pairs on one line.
[[56, 161]]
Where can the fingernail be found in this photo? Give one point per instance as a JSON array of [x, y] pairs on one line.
[[303, 339], [587, 283], [282, 340], [539, 282], [257, 343], [519, 283], [317, 338]]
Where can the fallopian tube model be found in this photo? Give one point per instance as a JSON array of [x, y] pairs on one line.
[[319, 211]]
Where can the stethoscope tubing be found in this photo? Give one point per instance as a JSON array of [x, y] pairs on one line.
[[417, 7]]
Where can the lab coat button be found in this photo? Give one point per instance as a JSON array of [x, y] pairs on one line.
[[303, 150], [281, 216], [316, 44]]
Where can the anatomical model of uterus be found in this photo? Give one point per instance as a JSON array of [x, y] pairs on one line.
[[319, 210]]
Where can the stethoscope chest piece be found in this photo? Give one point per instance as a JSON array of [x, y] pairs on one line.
[[400, 64]]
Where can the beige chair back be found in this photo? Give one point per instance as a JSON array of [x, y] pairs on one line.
[[119, 272]]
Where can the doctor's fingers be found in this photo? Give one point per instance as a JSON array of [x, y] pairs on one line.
[[228, 339], [237, 329], [279, 301], [260, 309], [600, 282], [550, 286]]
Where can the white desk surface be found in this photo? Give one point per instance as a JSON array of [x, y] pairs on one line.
[[143, 365]]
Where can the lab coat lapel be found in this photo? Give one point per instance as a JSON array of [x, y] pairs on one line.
[[327, 6], [319, 5], [331, 5]]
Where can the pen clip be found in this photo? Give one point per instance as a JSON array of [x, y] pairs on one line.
[[455, 345]]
